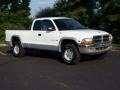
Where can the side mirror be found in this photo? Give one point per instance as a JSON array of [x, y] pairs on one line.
[[51, 29]]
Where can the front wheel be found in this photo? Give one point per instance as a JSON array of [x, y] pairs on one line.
[[70, 54], [18, 50]]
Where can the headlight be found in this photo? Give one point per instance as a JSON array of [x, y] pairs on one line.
[[110, 38], [87, 41]]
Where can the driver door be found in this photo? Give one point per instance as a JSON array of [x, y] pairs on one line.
[[44, 35]]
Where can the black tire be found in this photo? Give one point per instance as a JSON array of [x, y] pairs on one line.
[[70, 54], [18, 50]]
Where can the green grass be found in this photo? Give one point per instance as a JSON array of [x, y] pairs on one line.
[[116, 46]]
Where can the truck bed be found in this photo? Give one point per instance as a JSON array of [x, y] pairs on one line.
[[22, 33]]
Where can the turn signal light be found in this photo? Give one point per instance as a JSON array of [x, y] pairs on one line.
[[110, 38], [87, 41]]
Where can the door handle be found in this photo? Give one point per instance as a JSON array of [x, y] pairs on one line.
[[39, 34]]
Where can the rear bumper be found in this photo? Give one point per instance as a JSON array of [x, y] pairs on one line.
[[96, 49]]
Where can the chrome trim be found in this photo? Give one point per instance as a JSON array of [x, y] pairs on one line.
[[95, 48], [101, 38], [96, 44]]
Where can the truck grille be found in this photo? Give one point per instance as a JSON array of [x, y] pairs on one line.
[[101, 39]]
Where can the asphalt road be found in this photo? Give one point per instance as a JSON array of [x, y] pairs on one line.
[[44, 71]]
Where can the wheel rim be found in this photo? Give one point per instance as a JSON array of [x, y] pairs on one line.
[[16, 49], [68, 55]]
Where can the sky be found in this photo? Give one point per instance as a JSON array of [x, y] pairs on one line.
[[36, 5]]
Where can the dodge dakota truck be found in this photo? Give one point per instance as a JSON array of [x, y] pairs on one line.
[[64, 35]]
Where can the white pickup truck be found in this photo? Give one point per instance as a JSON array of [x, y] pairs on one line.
[[61, 34]]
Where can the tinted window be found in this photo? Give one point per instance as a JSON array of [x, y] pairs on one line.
[[37, 25], [68, 24], [46, 24]]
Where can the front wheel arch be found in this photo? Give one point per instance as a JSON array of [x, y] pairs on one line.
[[66, 41]]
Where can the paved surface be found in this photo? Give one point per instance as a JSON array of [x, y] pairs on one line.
[[38, 71]]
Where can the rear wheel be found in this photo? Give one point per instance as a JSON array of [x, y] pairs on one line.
[[18, 50], [70, 54]]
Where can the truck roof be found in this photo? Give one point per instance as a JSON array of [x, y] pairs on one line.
[[52, 18]]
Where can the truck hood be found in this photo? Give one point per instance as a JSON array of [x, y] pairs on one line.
[[83, 33]]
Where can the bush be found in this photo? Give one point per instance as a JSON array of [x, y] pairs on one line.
[[6, 26]]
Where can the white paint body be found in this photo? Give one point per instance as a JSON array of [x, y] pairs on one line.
[[31, 38]]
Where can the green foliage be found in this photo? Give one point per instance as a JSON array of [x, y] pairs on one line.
[[13, 15], [111, 19], [46, 13], [7, 26]]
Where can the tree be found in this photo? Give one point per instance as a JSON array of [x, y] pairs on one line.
[[14, 15], [47, 12], [111, 18]]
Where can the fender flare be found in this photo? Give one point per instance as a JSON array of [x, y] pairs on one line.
[[65, 38], [16, 36]]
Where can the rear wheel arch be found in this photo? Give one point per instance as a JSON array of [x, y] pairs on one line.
[[17, 48], [15, 39]]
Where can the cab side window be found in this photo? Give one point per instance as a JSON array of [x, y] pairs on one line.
[[37, 25], [46, 24]]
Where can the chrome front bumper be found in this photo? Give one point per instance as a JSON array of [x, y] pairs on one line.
[[95, 49]]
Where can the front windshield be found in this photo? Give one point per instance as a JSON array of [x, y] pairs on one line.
[[68, 24]]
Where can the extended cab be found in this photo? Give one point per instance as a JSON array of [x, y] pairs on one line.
[[61, 34]]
